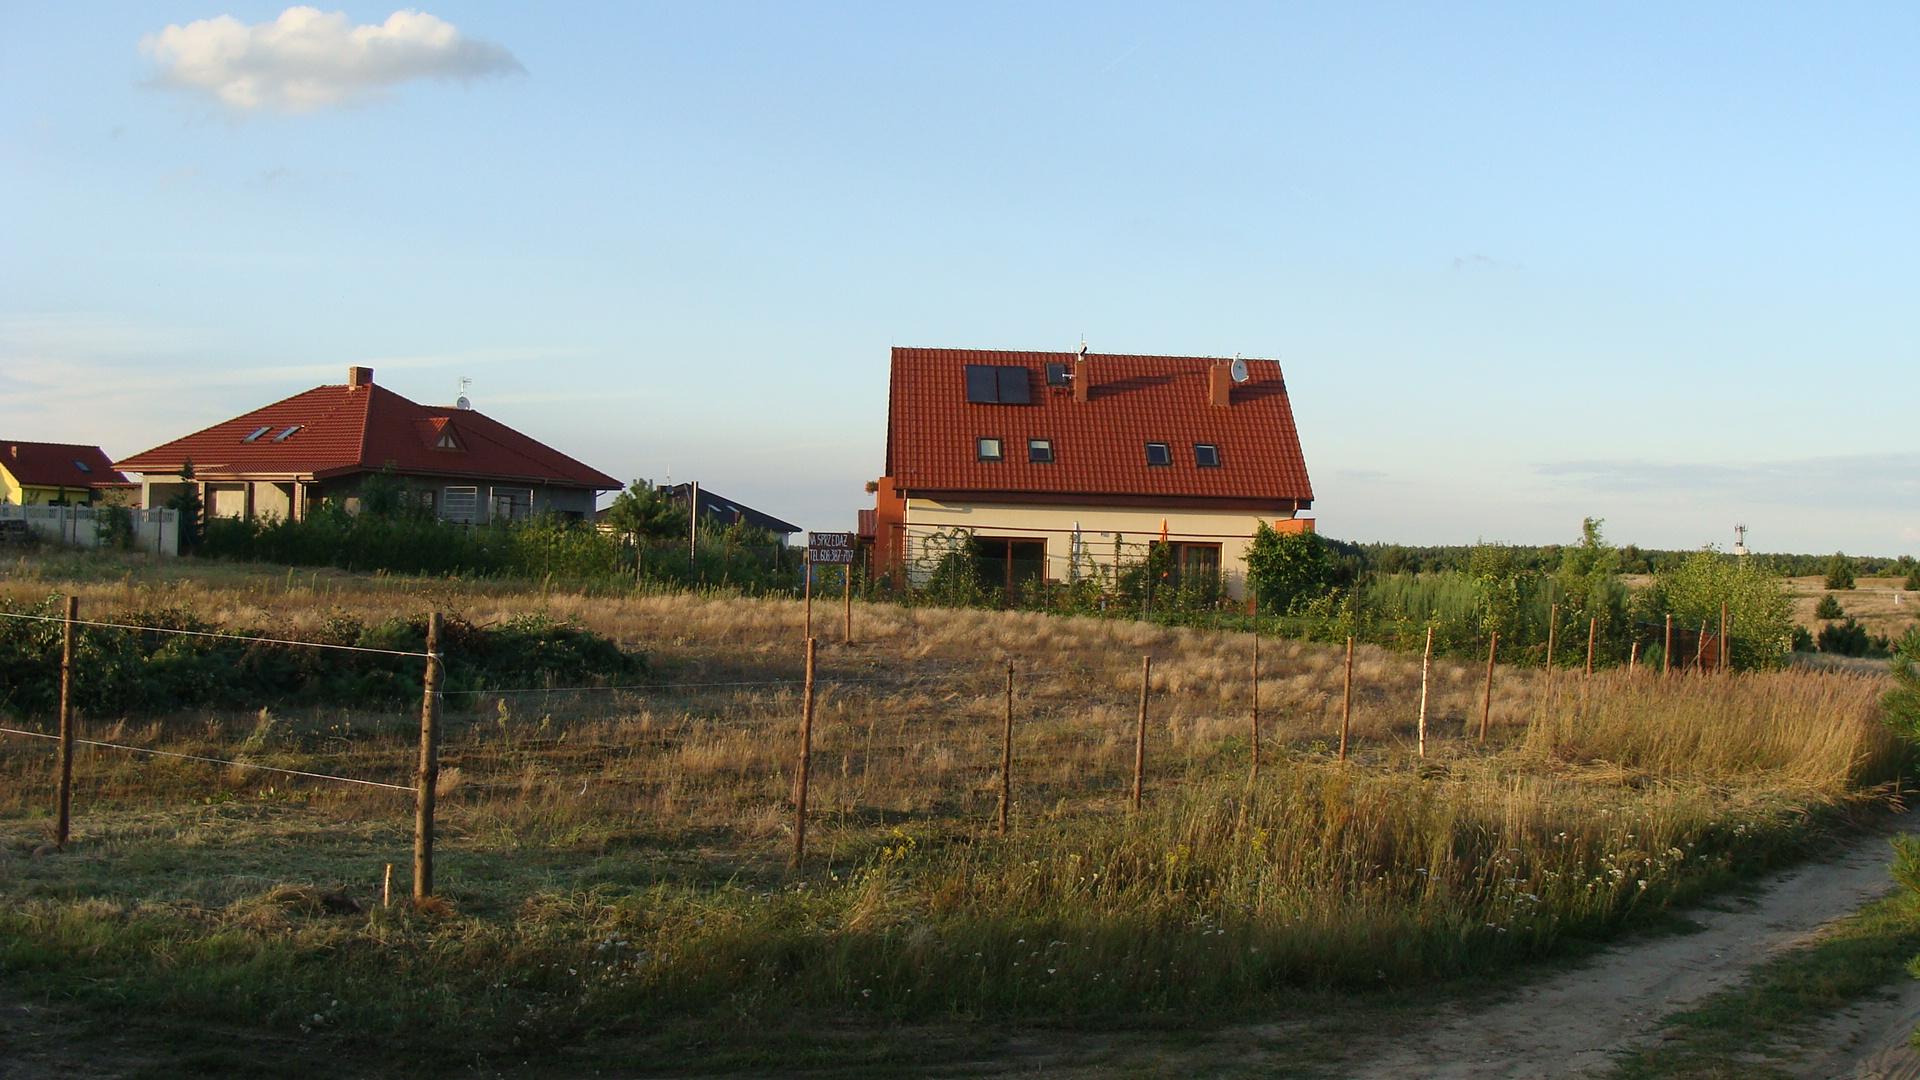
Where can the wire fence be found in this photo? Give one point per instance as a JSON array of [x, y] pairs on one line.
[[809, 684]]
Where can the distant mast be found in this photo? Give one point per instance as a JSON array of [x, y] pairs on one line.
[[1740, 541]]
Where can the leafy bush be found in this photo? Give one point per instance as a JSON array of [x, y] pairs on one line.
[[1839, 571], [1760, 614], [1828, 608], [1289, 569], [1912, 583]]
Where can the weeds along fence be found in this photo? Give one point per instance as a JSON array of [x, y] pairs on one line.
[[1010, 737]]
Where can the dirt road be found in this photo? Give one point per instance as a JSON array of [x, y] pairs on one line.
[[1578, 1021]]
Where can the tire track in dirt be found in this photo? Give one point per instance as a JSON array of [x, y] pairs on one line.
[[1578, 1022]]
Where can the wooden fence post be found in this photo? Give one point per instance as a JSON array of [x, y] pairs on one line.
[[1553, 629], [1593, 632], [1346, 703], [1140, 733], [806, 586], [1723, 637], [846, 598], [803, 776], [63, 825], [1700, 647], [427, 778], [1666, 651], [1486, 703], [1426, 666], [1006, 755], [1255, 722]]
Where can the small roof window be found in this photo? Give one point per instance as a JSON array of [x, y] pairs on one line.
[[257, 432], [447, 441], [82, 466], [1159, 453], [988, 449], [1206, 455], [283, 436], [1040, 450]]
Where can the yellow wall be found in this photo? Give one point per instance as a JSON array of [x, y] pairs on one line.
[[1099, 526], [20, 495]]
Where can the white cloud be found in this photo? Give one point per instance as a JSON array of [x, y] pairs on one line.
[[309, 59]]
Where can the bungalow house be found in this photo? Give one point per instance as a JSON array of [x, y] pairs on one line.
[[718, 512], [280, 459], [59, 474], [1063, 466]]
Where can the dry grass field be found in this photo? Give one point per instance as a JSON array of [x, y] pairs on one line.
[[1879, 604], [613, 862]]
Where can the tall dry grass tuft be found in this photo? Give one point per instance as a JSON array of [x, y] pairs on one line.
[[1820, 731]]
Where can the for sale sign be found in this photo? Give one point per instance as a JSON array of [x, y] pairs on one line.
[[832, 547]]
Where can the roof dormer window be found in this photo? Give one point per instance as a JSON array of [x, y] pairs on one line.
[[447, 441]]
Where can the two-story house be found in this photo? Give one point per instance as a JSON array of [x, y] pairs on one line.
[[1063, 466]]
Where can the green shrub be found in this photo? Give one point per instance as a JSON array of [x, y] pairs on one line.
[[1828, 608], [119, 672], [1759, 611], [1847, 638], [1901, 704], [1288, 569], [1839, 571]]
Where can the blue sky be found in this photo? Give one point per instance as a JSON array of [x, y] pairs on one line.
[[1521, 263]]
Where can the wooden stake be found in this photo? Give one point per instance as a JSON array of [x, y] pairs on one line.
[[1140, 733], [1346, 703], [846, 599], [1593, 631], [1666, 651], [1700, 647], [1255, 720], [1723, 636], [63, 824], [427, 778], [1633, 658], [1426, 666], [386, 887], [1486, 703], [1006, 756], [803, 775], [1553, 628], [693, 527]]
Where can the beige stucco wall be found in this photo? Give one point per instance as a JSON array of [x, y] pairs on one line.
[[1099, 528]]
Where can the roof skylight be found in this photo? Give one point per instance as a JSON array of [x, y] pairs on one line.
[[257, 432], [282, 437]]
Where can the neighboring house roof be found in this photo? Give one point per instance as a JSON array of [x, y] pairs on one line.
[[1098, 445], [362, 427], [719, 508], [70, 465]]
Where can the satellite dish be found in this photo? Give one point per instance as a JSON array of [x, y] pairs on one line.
[[463, 403], [1238, 370]]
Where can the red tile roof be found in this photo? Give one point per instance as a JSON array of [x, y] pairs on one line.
[[1099, 445], [346, 429], [44, 464]]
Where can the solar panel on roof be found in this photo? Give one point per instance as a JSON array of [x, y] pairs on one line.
[[1057, 375], [1015, 386], [983, 386]]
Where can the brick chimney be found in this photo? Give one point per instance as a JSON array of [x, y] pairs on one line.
[[359, 376], [1082, 375], [1219, 385]]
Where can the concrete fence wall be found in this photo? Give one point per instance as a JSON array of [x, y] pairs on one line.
[[156, 531]]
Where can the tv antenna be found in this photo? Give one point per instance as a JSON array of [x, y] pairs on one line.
[[461, 402], [1238, 369]]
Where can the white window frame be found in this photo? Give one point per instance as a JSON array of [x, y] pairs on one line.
[[452, 497]]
